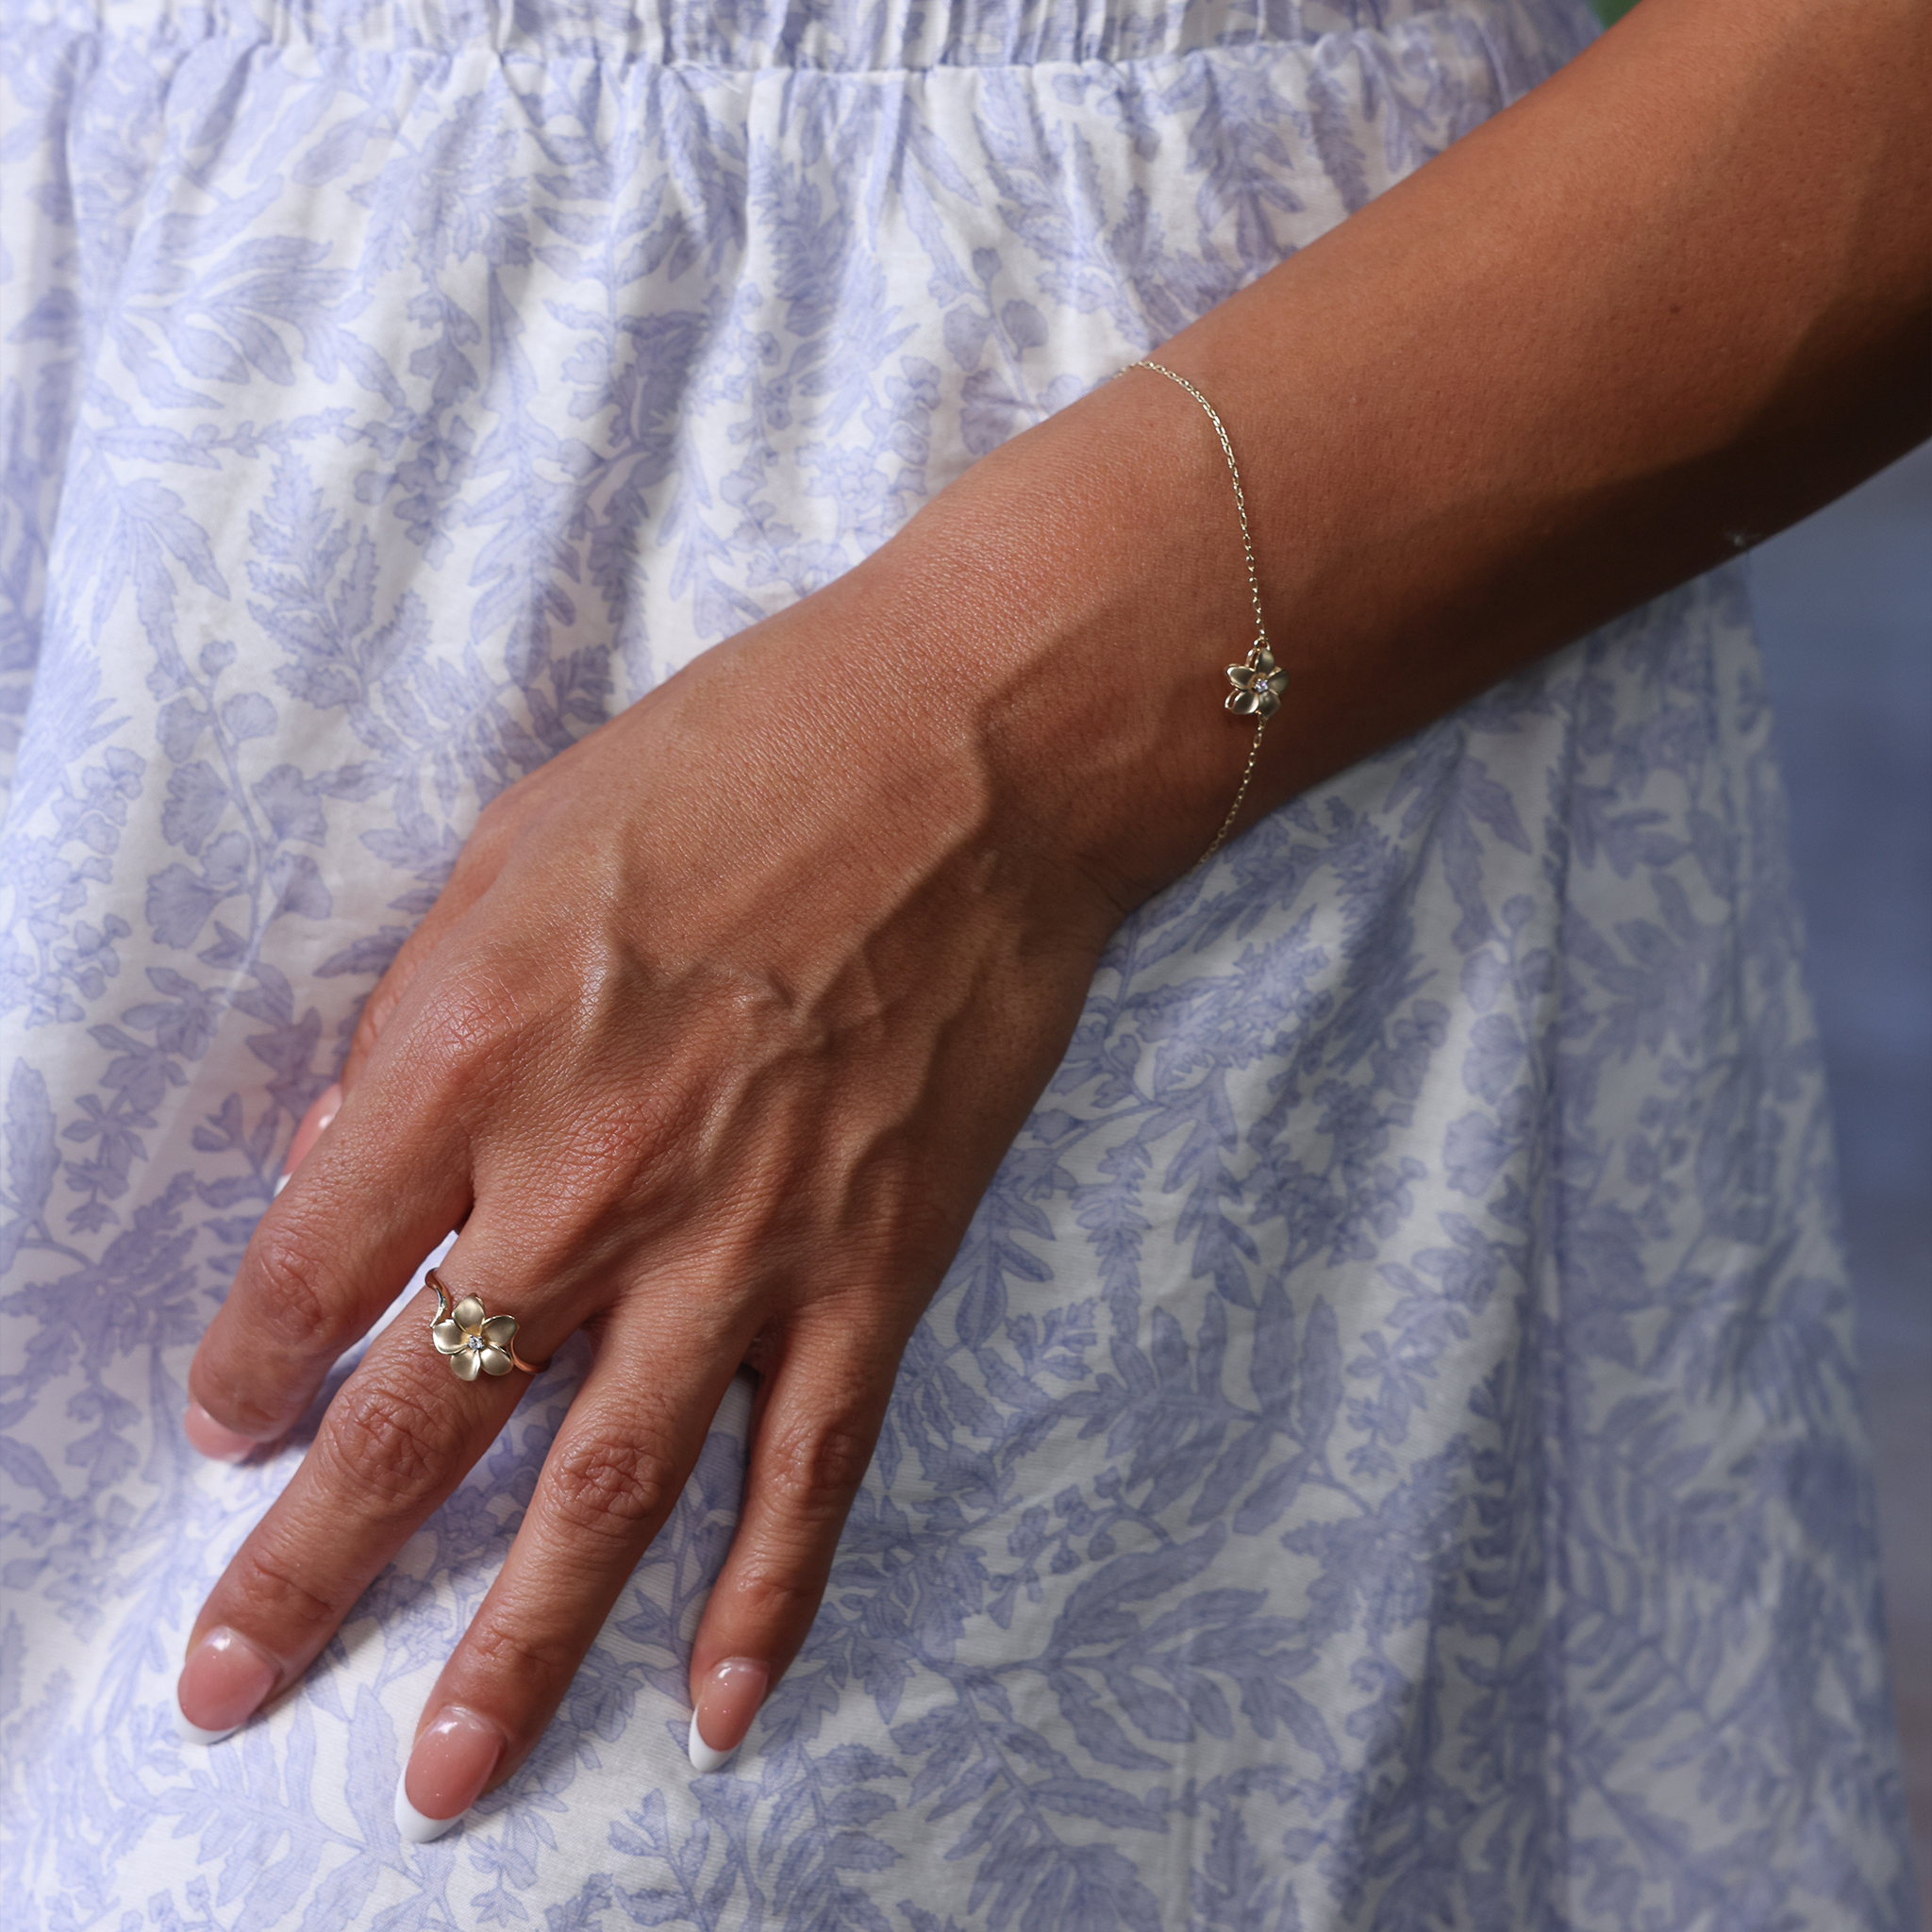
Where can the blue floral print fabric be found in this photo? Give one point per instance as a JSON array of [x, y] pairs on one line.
[[1387, 1453]]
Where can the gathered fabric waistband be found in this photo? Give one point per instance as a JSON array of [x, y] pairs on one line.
[[835, 36]]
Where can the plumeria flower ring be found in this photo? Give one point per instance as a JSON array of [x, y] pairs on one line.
[[1258, 684], [476, 1341]]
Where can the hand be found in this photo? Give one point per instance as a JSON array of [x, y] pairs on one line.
[[709, 1048]]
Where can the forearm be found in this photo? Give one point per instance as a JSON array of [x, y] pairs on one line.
[[1666, 305]]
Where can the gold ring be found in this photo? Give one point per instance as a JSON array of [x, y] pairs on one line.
[[476, 1343]]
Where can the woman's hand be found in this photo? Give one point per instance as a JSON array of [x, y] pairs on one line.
[[709, 1048], [726, 1015]]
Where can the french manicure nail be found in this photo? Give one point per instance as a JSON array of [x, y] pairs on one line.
[[726, 1705], [445, 1774], [218, 1444], [222, 1686]]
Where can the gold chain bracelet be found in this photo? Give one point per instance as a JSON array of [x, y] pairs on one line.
[[1258, 680]]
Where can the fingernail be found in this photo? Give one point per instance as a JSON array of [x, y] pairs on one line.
[[445, 1774], [726, 1705], [310, 1131], [222, 1686], [211, 1438]]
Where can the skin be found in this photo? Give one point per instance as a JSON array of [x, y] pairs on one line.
[[727, 1014]]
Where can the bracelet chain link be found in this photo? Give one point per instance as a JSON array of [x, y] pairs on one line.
[[1258, 680]]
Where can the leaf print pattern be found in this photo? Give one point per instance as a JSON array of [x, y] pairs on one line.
[[1386, 1452]]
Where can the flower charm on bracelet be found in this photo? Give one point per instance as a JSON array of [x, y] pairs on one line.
[[1258, 684], [474, 1342]]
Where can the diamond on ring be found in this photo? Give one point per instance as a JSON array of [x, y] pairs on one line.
[[476, 1341]]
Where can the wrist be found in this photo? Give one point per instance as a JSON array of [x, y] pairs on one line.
[[1078, 595]]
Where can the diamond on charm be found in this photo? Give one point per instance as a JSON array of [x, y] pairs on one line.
[[476, 1342], [1258, 684]]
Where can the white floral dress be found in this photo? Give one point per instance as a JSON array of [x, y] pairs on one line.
[[1386, 1455]]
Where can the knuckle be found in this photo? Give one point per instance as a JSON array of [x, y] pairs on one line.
[[470, 1030], [285, 1269], [276, 1597], [814, 1468], [770, 1593], [374, 1016], [608, 1486], [925, 1233], [520, 1656], [386, 1443], [497, 827]]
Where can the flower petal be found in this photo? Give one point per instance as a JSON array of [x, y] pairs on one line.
[[1267, 701], [1265, 665], [468, 1314], [1240, 676], [464, 1366], [1243, 704], [500, 1330], [495, 1363], [446, 1336]]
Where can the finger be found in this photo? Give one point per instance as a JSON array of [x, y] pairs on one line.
[[202, 1430], [474, 871], [399, 1436], [611, 1480], [314, 1124], [413, 954], [339, 1243], [814, 1433]]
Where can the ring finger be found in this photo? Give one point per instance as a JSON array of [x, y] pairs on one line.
[[400, 1435]]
